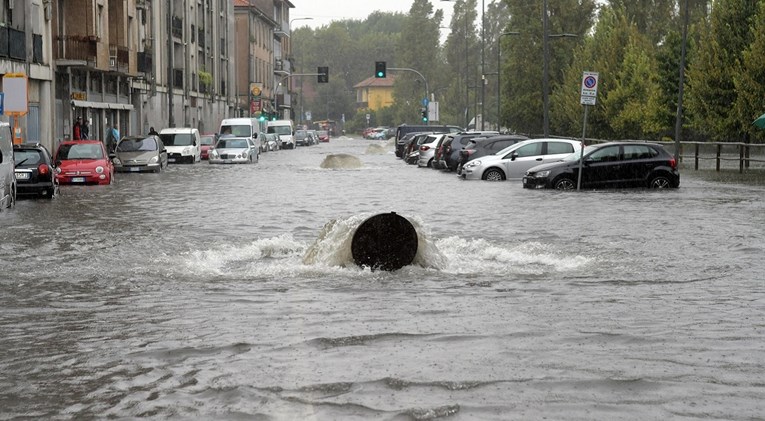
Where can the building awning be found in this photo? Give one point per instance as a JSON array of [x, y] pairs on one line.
[[107, 105]]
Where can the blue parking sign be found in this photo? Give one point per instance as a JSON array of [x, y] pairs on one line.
[[2, 102]]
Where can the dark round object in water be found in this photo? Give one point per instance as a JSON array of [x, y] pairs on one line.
[[386, 241]]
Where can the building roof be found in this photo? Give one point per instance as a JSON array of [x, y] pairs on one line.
[[376, 82]]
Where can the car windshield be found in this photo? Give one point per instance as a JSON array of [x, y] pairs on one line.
[[80, 151], [137, 145], [29, 157], [232, 144], [208, 140], [242, 130], [176, 139], [280, 129]]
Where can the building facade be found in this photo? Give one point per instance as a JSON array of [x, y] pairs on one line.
[[25, 49], [264, 63], [374, 93], [137, 64]]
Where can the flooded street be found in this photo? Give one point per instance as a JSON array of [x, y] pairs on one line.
[[192, 294]]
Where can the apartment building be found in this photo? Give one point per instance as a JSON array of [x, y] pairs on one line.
[[136, 64], [25, 33], [264, 64]]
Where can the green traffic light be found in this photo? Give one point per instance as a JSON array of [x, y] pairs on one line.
[[379, 74]]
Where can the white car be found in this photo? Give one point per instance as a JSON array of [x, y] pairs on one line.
[[183, 144], [513, 161], [428, 150], [234, 150]]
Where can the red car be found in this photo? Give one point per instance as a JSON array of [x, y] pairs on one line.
[[208, 141], [323, 136], [83, 162]]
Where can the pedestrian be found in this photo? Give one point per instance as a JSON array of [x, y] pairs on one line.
[[85, 130], [153, 132], [76, 135], [112, 137]]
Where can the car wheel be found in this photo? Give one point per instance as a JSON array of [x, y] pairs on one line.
[[493, 174], [660, 182], [564, 183]]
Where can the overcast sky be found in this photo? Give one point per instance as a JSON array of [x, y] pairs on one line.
[[325, 11]]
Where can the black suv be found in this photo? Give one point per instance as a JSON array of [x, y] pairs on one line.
[[614, 164], [35, 172], [451, 147]]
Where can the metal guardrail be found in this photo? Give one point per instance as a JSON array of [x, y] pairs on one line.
[[722, 155]]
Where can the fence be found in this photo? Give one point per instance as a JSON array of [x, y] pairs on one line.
[[722, 155]]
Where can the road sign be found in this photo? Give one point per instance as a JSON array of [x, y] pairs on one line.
[[589, 92], [425, 102]]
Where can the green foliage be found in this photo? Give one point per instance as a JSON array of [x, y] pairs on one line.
[[750, 81]]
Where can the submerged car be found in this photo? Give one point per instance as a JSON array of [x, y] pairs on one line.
[[234, 150], [34, 171], [513, 161], [323, 135], [83, 162], [207, 141], [140, 154], [613, 164]]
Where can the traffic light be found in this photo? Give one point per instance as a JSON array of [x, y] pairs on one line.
[[380, 69], [262, 116], [323, 74], [424, 113]]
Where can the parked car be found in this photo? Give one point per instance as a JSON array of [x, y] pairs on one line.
[[428, 149], [139, 154], [479, 147], [513, 161], [613, 164], [183, 144], [302, 138], [7, 175], [35, 174], [83, 162], [271, 140], [323, 135], [412, 150], [207, 141], [404, 129], [313, 137], [452, 145], [285, 131], [234, 150]]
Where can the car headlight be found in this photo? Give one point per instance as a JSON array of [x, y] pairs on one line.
[[240, 155], [186, 150], [213, 153], [58, 170], [116, 161], [543, 173], [153, 160], [473, 164], [99, 169]]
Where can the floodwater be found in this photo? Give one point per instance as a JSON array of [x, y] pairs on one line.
[[228, 292]]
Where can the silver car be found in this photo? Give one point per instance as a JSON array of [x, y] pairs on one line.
[[234, 150], [428, 149], [140, 154], [513, 161]]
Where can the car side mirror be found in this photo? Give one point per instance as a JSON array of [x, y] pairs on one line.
[[513, 155]]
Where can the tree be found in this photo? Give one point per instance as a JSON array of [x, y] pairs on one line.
[[717, 62], [460, 53], [417, 49], [750, 81]]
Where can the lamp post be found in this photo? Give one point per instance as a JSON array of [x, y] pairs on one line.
[[300, 120], [499, 74]]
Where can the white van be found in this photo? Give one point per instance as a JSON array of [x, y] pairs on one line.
[[7, 166], [284, 129], [183, 144], [239, 127]]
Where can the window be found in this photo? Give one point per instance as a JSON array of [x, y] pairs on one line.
[[639, 152], [554, 148], [532, 149], [606, 154]]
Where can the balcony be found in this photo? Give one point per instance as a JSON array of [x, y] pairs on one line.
[[282, 67], [76, 48]]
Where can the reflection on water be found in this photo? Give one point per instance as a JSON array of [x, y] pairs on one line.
[[221, 292]]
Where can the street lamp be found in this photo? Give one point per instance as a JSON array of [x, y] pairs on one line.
[[499, 73], [546, 67]]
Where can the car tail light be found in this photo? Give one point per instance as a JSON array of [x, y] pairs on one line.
[[424, 148], [673, 163], [43, 169]]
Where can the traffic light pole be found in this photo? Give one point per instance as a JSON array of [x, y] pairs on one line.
[[427, 90], [276, 97]]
